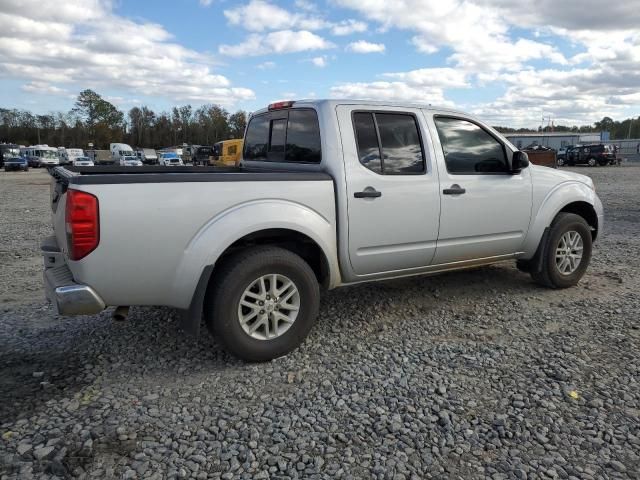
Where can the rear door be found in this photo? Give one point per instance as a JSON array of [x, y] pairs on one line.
[[486, 210], [392, 189]]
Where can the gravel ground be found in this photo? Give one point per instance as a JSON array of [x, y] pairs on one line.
[[479, 374]]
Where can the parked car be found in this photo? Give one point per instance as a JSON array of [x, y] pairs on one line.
[[16, 163], [561, 157], [82, 162], [592, 155], [359, 191], [169, 159], [8, 150]]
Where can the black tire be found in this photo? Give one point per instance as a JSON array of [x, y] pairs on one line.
[[550, 275], [228, 285]]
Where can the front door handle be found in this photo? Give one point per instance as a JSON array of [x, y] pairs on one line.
[[368, 192], [455, 189]]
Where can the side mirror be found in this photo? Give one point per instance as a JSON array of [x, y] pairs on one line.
[[519, 161]]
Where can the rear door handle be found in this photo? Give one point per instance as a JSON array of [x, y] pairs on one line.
[[455, 189], [368, 192]]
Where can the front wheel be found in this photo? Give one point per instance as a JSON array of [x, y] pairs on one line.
[[592, 162], [262, 303], [560, 162], [566, 252]]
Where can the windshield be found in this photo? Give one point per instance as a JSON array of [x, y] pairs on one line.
[[11, 152], [82, 159], [170, 155], [47, 154], [16, 160], [127, 153]]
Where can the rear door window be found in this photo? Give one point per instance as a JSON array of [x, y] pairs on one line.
[[289, 136], [303, 137], [389, 143]]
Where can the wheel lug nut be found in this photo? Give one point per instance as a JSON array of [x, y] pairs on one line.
[[261, 312], [260, 303]]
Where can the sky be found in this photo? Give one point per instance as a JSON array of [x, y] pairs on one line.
[[509, 62]]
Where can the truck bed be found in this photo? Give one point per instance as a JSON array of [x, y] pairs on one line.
[[114, 174]]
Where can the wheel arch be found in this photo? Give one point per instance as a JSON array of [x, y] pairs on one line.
[[269, 222], [570, 197]]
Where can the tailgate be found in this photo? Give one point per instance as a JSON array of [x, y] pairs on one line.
[[57, 196]]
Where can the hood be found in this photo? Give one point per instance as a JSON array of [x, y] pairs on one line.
[[554, 175]]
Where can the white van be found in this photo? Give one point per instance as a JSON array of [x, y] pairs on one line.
[[123, 155]]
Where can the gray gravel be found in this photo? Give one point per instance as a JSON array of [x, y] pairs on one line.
[[480, 374]]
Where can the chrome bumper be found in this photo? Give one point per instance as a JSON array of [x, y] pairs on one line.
[[69, 297]]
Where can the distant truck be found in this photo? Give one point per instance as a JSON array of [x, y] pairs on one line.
[[100, 157], [68, 155], [148, 156], [227, 153], [122, 154]]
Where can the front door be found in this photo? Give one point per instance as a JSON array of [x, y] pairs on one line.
[[485, 209], [392, 189]]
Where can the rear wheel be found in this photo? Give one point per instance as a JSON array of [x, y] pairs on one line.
[[566, 252], [560, 161], [262, 303], [592, 162]]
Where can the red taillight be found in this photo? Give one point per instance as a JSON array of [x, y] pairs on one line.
[[83, 223], [281, 105]]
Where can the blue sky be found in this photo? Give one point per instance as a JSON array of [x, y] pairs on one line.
[[499, 59]]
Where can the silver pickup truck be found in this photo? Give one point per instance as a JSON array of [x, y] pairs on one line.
[[329, 193]]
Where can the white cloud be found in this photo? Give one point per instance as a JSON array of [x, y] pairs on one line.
[[347, 27], [390, 91], [432, 77], [283, 41], [319, 62], [260, 15], [362, 46], [83, 42], [267, 65], [45, 88], [477, 34], [424, 86], [496, 42], [206, 3]]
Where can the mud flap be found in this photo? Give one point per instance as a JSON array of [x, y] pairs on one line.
[[538, 258], [191, 317]]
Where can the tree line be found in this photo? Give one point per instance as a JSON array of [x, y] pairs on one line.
[[95, 120], [629, 128]]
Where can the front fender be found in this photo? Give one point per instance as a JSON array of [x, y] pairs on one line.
[[229, 226], [556, 199]]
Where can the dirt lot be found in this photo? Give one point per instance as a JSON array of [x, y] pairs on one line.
[[480, 374]]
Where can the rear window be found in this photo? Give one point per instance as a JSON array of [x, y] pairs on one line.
[[289, 136]]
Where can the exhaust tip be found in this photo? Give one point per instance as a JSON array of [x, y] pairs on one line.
[[120, 313]]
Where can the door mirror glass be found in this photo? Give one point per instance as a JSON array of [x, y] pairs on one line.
[[519, 161]]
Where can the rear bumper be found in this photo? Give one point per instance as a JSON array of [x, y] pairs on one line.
[[68, 296]]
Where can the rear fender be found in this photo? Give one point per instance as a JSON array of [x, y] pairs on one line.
[[231, 225]]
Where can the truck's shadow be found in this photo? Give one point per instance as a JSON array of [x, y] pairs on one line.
[[89, 352]]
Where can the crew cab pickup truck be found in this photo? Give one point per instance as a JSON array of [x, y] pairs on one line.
[[328, 193]]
